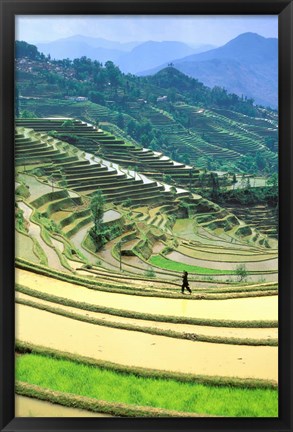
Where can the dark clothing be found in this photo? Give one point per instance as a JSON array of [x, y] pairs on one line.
[[185, 283]]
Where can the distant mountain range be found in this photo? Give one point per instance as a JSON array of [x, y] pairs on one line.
[[93, 48], [155, 53], [131, 57], [247, 65]]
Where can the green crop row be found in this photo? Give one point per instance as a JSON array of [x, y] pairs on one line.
[[135, 390]]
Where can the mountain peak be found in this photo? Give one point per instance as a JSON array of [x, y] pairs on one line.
[[248, 36], [245, 65], [248, 40]]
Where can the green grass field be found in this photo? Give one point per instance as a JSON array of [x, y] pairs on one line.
[[167, 264], [79, 379]]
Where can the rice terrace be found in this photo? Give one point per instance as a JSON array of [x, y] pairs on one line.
[[123, 181]]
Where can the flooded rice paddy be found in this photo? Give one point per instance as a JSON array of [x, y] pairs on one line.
[[144, 350], [243, 309], [28, 407]]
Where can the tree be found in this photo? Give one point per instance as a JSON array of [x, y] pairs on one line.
[[127, 202], [241, 272], [63, 179], [167, 178], [132, 128], [96, 97], [114, 74], [271, 142], [97, 209], [215, 184], [273, 180], [234, 180], [247, 184], [120, 121], [23, 49], [186, 207], [202, 179], [243, 181], [52, 180], [27, 114], [260, 160], [68, 124]]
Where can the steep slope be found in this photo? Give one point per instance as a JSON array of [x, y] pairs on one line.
[[247, 47], [247, 65], [150, 54]]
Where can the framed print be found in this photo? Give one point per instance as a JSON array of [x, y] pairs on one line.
[[146, 207]]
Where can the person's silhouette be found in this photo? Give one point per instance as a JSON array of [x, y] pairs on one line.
[[185, 283]]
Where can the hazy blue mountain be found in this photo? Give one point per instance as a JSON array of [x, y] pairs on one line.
[[131, 57], [259, 83], [101, 42], [247, 47], [198, 48], [94, 48], [247, 65], [150, 54], [62, 49]]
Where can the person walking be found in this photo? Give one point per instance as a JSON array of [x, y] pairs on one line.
[[185, 283]]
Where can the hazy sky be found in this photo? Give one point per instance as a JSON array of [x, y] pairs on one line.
[[215, 30]]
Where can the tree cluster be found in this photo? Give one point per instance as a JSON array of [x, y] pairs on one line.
[[97, 81], [24, 49]]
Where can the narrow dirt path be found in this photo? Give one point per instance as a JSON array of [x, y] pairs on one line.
[[242, 309]]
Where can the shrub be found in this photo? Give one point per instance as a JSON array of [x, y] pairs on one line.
[[167, 250], [127, 202], [22, 191], [39, 172], [19, 220], [150, 272], [241, 272], [47, 223]]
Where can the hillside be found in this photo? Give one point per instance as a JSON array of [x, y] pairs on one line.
[[250, 48], [247, 65], [159, 111], [122, 183], [150, 54], [150, 234]]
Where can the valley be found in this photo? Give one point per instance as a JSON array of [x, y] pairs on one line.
[[117, 194]]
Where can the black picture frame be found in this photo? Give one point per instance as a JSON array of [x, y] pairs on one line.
[[284, 10]]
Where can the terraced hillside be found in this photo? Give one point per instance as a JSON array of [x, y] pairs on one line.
[[261, 216], [214, 134], [115, 316], [189, 130], [127, 154], [47, 107]]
